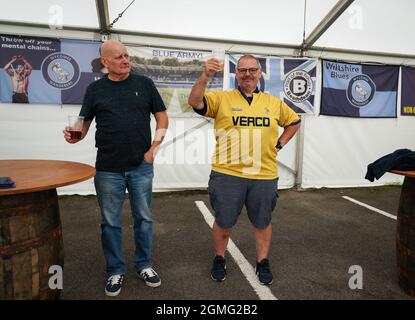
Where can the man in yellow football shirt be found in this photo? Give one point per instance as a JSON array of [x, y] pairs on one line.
[[244, 166]]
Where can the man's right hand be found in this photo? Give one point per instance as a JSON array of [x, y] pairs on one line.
[[67, 136], [212, 66]]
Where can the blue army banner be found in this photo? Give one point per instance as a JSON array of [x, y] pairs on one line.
[[47, 70], [174, 72], [408, 91], [292, 80], [359, 90]]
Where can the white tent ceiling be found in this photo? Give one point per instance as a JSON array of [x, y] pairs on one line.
[[374, 26]]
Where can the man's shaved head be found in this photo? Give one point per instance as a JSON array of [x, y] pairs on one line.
[[109, 46], [115, 58]]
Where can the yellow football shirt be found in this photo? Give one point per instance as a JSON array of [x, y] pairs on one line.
[[246, 134]]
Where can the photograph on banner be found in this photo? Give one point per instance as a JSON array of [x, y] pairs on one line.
[[47, 70], [174, 72], [291, 80], [359, 90], [408, 91]]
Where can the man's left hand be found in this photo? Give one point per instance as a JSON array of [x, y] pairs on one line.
[[149, 156]]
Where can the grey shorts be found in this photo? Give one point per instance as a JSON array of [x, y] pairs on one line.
[[228, 194]]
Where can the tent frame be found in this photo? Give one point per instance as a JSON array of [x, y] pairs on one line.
[[305, 49]]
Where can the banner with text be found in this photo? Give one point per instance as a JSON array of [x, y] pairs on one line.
[[174, 72], [47, 70], [359, 90], [291, 80], [408, 91]]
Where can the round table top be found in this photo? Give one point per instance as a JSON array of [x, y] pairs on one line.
[[39, 175], [404, 173]]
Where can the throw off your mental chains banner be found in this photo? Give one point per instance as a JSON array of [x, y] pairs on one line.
[[47, 70]]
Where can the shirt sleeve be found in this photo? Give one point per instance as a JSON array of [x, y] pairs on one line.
[[88, 109], [157, 101], [287, 116], [212, 101]]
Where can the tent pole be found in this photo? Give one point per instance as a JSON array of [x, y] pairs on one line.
[[325, 23], [103, 18]]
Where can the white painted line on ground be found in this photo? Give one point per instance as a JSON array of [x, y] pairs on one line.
[[263, 292], [370, 207]]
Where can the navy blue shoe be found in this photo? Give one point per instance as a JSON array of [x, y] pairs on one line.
[[114, 283], [150, 277], [263, 272], [218, 272]]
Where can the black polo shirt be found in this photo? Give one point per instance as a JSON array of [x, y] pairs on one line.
[[122, 114]]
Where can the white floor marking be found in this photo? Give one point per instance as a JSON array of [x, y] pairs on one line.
[[263, 292], [370, 207]]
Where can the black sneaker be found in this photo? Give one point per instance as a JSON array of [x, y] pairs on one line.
[[150, 277], [218, 272], [263, 272], [114, 283]]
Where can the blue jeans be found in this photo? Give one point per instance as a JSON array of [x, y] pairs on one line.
[[110, 188]]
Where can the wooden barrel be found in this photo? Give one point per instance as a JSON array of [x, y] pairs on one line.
[[30, 242], [405, 237]]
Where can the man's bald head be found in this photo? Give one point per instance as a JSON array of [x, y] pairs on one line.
[[110, 46], [115, 58]]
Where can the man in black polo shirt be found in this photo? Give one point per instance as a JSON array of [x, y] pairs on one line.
[[121, 104]]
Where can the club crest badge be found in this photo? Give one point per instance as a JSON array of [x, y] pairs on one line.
[[361, 90], [298, 86], [60, 70]]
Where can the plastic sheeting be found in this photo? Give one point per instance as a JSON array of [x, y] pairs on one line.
[[183, 161], [336, 150]]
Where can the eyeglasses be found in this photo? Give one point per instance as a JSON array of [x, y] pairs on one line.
[[250, 70]]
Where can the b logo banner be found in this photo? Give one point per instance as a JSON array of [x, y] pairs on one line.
[[291, 80]]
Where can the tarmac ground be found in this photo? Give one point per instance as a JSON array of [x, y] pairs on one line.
[[321, 242]]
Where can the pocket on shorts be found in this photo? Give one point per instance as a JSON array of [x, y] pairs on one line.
[[211, 189], [275, 196], [274, 200]]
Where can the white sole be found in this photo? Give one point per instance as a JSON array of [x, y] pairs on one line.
[[112, 294], [153, 285]]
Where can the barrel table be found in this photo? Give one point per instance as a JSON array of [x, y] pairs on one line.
[[405, 234], [30, 228]]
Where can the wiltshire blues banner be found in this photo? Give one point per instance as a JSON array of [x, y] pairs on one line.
[[174, 72], [47, 70], [359, 90], [292, 80], [408, 91]]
